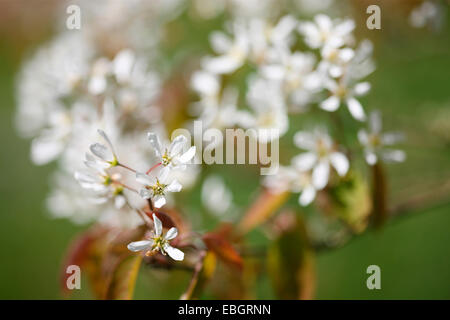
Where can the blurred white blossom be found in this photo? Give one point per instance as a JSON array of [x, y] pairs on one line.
[[374, 142]]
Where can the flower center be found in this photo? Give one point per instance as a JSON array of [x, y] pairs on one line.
[[166, 159], [158, 188], [341, 91], [322, 149], [374, 140]]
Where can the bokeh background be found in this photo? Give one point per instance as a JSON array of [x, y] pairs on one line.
[[411, 86]]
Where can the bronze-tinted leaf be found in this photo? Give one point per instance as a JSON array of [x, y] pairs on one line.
[[380, 212], [121, 286], [82, 249], [221, 246]]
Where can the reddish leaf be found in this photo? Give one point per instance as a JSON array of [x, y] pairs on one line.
[[220, 245], [170, 218], [166, 220], [124, 278], [79, 252]]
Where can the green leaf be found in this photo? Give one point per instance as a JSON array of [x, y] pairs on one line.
[[349, 200]]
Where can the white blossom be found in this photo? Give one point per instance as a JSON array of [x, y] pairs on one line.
[[156, 185], [326, 32], [268, 112], [158, 242], [172, 156], [294, 179], [232, 52], [216, 197], [320, 156], [374, 142], [104, 153], [340, 92]]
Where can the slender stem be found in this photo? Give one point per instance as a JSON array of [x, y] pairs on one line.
[[154, 167], [126, 167], [141, 214], [125, 186], [150, 204]]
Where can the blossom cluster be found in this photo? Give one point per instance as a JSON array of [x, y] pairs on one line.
[[91, 100]]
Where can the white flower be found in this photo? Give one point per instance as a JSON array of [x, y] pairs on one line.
[[98, 81], [266, 39], [335, 60], [340, 91], [427, 13], [325, 32], [321, 154], [296, 73], [106, 154], [295, 180], [268, 112], [103, 185], [216, 197], [172, 156], [374, 141], [232, 52], [158, 242], [156, 185], [216, 108]]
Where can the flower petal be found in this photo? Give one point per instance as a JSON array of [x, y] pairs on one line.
[[371, 158], [363, 137], [174, 186], [340, 162], [174, 253], [158, 225], [320, 175], [307, 196], [159, 201], [171, 234], [330, 104], [144, 193], [356, 109], [144, 179], [140, 245], [305, 140], [304, 161], [108, 141], [392, 138], [102, 152], [361, 88], [156, 144], [119, 201], [188, 155], [394, 155], [177, 145]]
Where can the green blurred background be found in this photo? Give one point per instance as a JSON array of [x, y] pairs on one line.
[[411, 86]]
